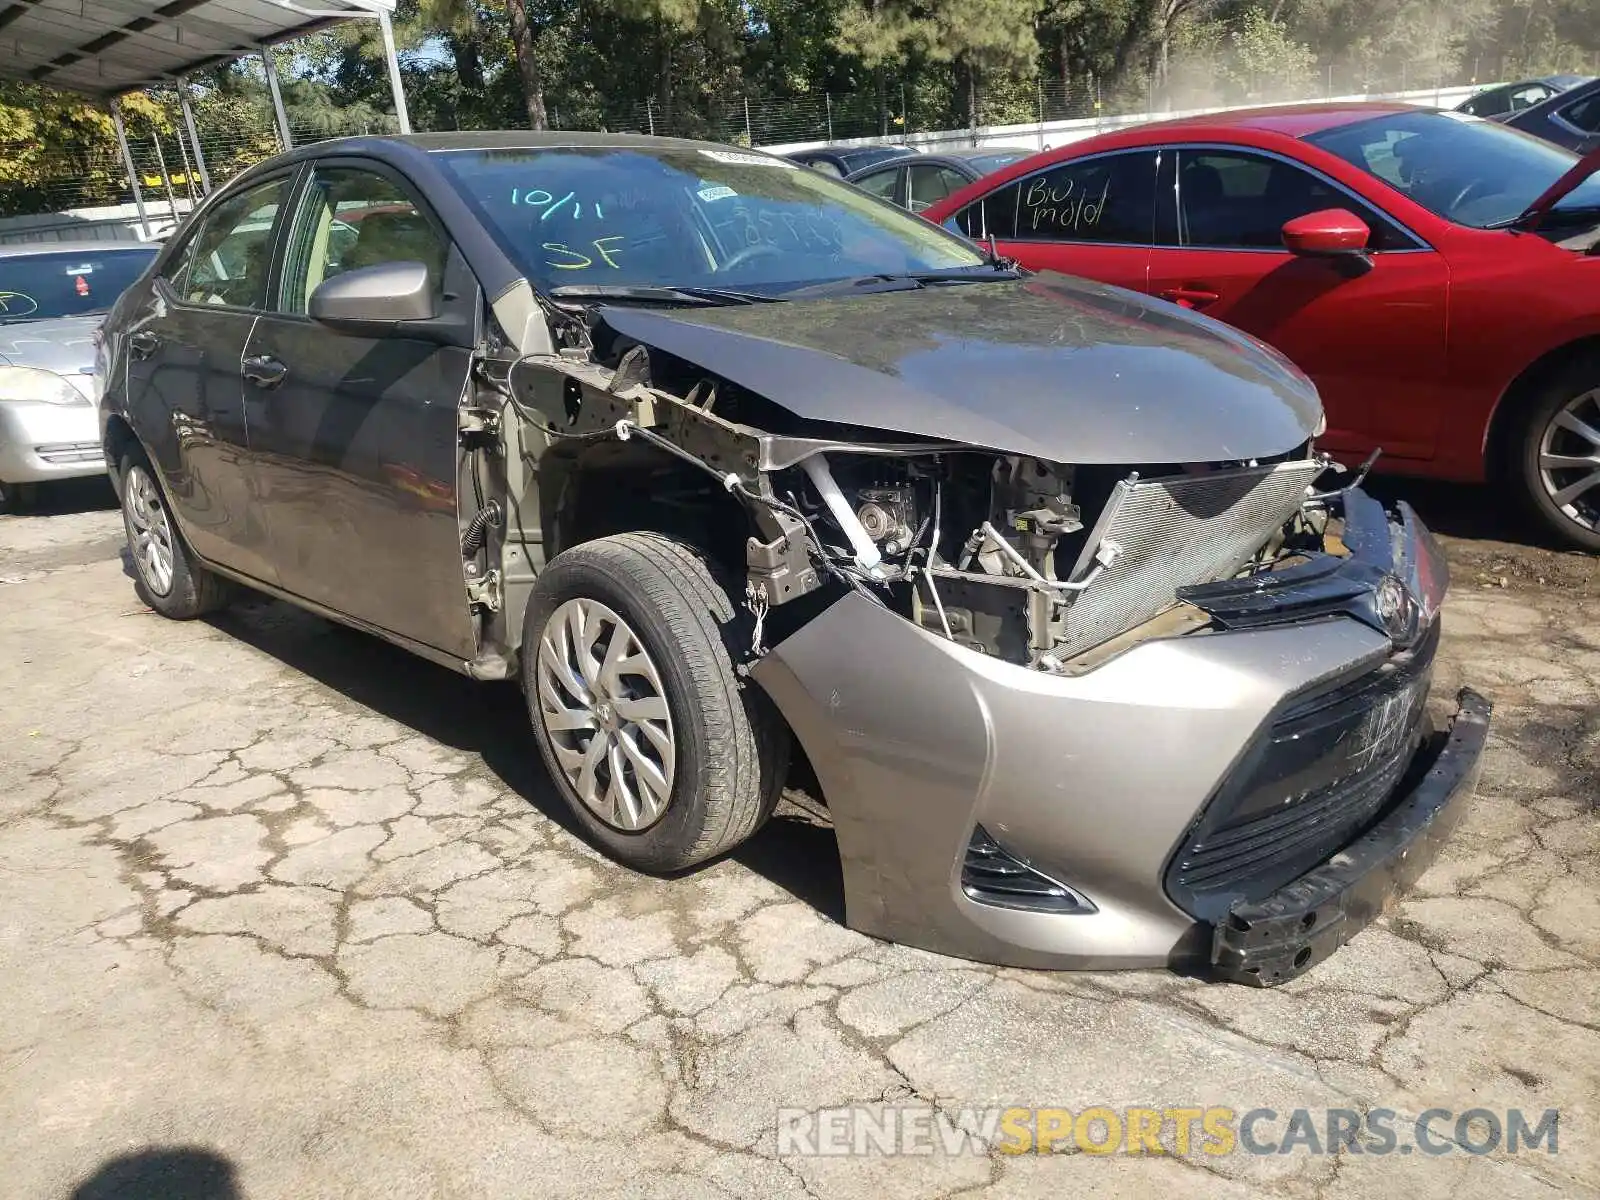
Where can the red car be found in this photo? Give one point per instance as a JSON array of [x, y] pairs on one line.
[[1437, 275]]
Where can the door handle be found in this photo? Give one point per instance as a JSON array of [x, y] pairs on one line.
[[143, 343], [1190, 297], [263, 370]]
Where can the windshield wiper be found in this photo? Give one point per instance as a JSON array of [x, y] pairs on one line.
[[646, 293], [890, 281], [1551, 216]]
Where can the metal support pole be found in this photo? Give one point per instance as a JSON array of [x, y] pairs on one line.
[[393, 60], [166, 176], [277, 97], [188, 170], [828, 100], [194, 132], [127, 162], [748, 139]]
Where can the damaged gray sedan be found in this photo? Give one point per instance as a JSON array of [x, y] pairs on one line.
[[730, 464]]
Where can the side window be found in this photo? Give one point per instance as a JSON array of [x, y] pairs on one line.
[[1529, 96], [1106, 199], [227, 260], [1585, 114], [1240, 201], [351, 218], [930, 184], [880, 183]]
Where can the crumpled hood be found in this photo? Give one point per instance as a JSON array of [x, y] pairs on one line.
[[64, 345], [1049, 366]]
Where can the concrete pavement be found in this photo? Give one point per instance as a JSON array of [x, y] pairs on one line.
[[282, 895]]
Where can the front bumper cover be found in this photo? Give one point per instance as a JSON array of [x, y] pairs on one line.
[[1271, 941]]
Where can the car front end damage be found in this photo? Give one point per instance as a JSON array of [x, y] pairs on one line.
[[1062, 715]]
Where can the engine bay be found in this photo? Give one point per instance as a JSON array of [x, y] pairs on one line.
[[1020, 559]]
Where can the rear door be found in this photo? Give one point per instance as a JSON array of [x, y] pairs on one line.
[[1091, 216], [184, 392], [356, 437], [1373, 341], [929, 183]]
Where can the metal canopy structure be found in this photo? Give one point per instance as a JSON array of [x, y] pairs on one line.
[[107, 48]]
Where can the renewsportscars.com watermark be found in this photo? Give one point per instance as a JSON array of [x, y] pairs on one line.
[[921, 1129]]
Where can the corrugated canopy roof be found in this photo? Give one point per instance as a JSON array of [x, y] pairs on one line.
[[106, 47]]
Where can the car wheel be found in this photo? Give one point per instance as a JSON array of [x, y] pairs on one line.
[[1559, 457], [166, 577], [664, 754]]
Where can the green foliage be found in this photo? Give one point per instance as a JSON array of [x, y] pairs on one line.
[[788, 70]]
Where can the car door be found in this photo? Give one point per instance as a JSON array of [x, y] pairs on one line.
[[1372, 337], [1092, 216], [883, 183], [356, 437], [929, 183], [185, 396]]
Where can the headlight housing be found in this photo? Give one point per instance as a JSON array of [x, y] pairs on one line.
[[34, 385]]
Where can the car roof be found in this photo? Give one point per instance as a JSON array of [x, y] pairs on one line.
[[1292, 120], [77, 246], [528, 139]]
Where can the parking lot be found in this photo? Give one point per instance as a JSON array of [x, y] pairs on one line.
[[278, 893]]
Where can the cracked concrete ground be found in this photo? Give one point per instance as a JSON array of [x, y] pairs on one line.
[[275, 890]]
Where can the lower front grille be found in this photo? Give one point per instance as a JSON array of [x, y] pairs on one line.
[[70, 452], [1174, 532], [990, 875], [1323, 771]]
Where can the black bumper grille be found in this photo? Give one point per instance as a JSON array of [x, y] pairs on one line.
[[1321, 773], [992, 876]]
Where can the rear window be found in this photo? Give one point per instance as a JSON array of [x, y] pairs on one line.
[[36, 287]]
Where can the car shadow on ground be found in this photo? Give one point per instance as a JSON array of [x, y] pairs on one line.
[[167, 1173], [62, 498], [795, 850]]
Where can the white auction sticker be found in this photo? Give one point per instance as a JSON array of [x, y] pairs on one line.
[[747, 160]]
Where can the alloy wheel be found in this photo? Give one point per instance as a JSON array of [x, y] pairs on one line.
[[1569, 459], [150, 531], [604, 706]]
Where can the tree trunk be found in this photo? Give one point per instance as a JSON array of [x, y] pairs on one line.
[[664, 76], [468, 56], [527, 63]]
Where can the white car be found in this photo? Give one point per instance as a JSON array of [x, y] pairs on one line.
[[53, 296]]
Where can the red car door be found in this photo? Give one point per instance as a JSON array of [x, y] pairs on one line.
[[1092, 216], [1371, 336]]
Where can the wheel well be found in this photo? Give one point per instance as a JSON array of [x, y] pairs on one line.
[[615, 488], [1524, 388], [119, 439]]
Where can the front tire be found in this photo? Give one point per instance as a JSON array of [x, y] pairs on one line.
[[1558, 456], [666, 757], [166, 576]]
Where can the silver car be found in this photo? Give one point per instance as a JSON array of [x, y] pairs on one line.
[[726, 461], [53, 296]]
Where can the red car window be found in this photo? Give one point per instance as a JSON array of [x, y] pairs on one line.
[[1109, 198]]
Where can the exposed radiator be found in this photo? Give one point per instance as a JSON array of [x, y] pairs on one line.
[[1175, 531]]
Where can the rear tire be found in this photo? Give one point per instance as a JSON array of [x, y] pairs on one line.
[[1557, 456], [664, 754], [166, 576]]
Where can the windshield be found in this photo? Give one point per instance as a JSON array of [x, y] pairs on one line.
[[1465, 169], [687, 216], [36, 287]]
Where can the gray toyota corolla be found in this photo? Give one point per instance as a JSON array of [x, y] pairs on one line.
[[728, 463]]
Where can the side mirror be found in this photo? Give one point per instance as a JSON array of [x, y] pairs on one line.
[[1332, 232], [375, 301]]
